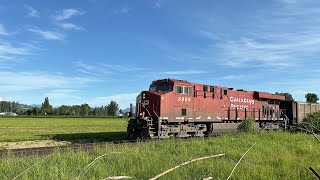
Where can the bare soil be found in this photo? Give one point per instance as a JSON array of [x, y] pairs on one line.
[[32, 144]]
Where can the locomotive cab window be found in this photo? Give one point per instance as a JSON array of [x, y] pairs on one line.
[[205, 88], [184, 90], [212, 89], [225, 92], [161, 87]]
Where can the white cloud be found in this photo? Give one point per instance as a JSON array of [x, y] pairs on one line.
[[186, 72], [70, 26], [123, 100], [26, 81], [123, 10], [3, 30], [233, 77], [67, 14], [32, 12], [12, 53], [62, 94], [280, 37], [121, 68], [157, 3], [89, 69], [209, 35], [49, 35]]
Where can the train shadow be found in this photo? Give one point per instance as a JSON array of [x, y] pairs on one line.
[[87, 137]]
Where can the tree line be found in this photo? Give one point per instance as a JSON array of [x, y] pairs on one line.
[[310, 97], [110, 109], [46, 109]]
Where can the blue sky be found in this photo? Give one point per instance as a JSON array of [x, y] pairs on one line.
[[96, 51]]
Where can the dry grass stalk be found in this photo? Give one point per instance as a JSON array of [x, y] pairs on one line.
[[32, 166], [240, 160], [96, 159], [118, 177], [185, 163], [208, 178]]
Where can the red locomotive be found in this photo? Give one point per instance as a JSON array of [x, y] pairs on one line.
[[182, 109]]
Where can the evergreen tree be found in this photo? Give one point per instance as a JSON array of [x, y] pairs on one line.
[[46, 107], [112, 108]]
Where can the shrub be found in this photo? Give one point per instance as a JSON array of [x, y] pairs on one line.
[[311, 122], [248, 125]]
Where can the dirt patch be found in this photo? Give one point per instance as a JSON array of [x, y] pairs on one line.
[[32, 144]]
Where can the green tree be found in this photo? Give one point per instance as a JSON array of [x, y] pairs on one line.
[[287, 95], [35, 111], [311, 97], [46, 107], [112, 108], [84, 109]]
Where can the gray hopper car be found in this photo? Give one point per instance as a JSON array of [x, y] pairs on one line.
[[296, 111]]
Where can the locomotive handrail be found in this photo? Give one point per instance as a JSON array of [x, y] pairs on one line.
[[154, 111], [286, 119], [147, 110]]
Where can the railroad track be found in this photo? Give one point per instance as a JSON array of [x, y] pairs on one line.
[[76, 147], [67, 148]]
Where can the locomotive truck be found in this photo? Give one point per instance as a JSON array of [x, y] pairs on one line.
[[178, 108]]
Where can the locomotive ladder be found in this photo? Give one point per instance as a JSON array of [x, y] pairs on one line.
[[151, 127]]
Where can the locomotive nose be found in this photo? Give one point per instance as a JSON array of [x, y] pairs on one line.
[[146, 97]]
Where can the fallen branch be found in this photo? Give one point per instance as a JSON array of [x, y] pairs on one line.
[[118, 177], [314, 172], [307, 130], [185, 163], [240, 160], [313, 126], [32, 166]]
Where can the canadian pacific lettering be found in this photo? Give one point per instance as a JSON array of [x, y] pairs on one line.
[[234, 102]]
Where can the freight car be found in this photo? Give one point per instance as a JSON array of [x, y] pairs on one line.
[[179, 108], [296, 111]]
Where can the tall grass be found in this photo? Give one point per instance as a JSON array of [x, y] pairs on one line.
[[276, 155]]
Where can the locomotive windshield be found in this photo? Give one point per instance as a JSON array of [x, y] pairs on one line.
[[161, 87]]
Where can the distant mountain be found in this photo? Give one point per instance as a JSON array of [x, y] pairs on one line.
[[35, 105], [128, 110], [27, 106]]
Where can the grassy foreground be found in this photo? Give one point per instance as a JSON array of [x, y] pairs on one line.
[[275, 156], [22, 129]]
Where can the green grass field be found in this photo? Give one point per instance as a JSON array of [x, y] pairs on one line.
[[74, 129], [277, 155]]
